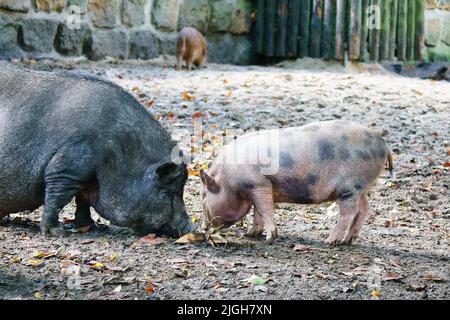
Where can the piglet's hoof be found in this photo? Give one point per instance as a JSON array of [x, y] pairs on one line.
[[348, 240], [331, 242], [254, 234], [271, 236]]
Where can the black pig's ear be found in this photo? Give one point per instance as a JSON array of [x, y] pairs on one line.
[[211, 185], [169, 171]]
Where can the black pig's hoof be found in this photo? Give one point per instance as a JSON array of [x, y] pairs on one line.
[[53, 231], [75, 228]]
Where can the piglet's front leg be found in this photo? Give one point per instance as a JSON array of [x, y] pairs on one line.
[[262, 198], [257, 227]]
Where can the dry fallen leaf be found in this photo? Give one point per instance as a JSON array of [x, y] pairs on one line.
[[255, 280], [151, 239], [392, 276], [150, 288], [183, 274], [187, 96], [301, 248], [176, 260], [395, 262], [430, 277], [117, 289], [43, 254], [96, 265], [34, 263], [113, 256], [197, 114], [376, 293], [68, 220], [191, 238]]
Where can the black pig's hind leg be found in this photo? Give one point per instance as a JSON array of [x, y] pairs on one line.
[[83, 214]]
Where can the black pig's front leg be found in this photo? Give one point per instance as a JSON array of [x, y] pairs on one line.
[[65, 176]]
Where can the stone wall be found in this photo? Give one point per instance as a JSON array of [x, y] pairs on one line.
[[143, 29], [123, 28], [437, 30]]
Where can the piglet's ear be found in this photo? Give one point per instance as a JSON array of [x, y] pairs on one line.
[[169, 171], [211, 185]]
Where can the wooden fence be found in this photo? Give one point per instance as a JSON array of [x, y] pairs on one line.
[[367, 30]]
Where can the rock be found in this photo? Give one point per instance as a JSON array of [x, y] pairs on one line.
[[82, 4], [441, 52], [231, 15], [37, 34], [244, 53], [72, 41], [8, 38], [165, 14], [221, 13], [143, 44], [433, 27], [15, 5], [8, 43], [194, 13], [167, 44], [220, 48], [133, 12], [112, 43], [226, 48], [105, 13], [241, 20], [445, 37], [440, 4], [50, 5]]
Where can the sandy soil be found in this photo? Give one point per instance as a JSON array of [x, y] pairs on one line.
[[403, 251]]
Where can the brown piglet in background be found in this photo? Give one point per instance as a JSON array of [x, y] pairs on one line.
[[191, 47], [319, 162]]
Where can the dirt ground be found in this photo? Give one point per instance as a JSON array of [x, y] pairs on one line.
[[403, 251]]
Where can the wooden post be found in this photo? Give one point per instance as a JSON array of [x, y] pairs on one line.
[[393, 29], [364, 33], [282, 12], [260, 19], [411, 30], [269, 33], [384, 32], [374, 32], [419, 33], [316, 20], [340, 29], [355, 30], [305, 15], [293, 27], [333, 30], [326, 29], [402, 29]]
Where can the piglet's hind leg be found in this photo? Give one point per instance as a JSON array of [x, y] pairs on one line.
[[348, 209], [359, 220]]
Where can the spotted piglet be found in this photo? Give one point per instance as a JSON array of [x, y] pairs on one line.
[[315, 163]]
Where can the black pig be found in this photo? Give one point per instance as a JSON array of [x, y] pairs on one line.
[[65, 135]]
